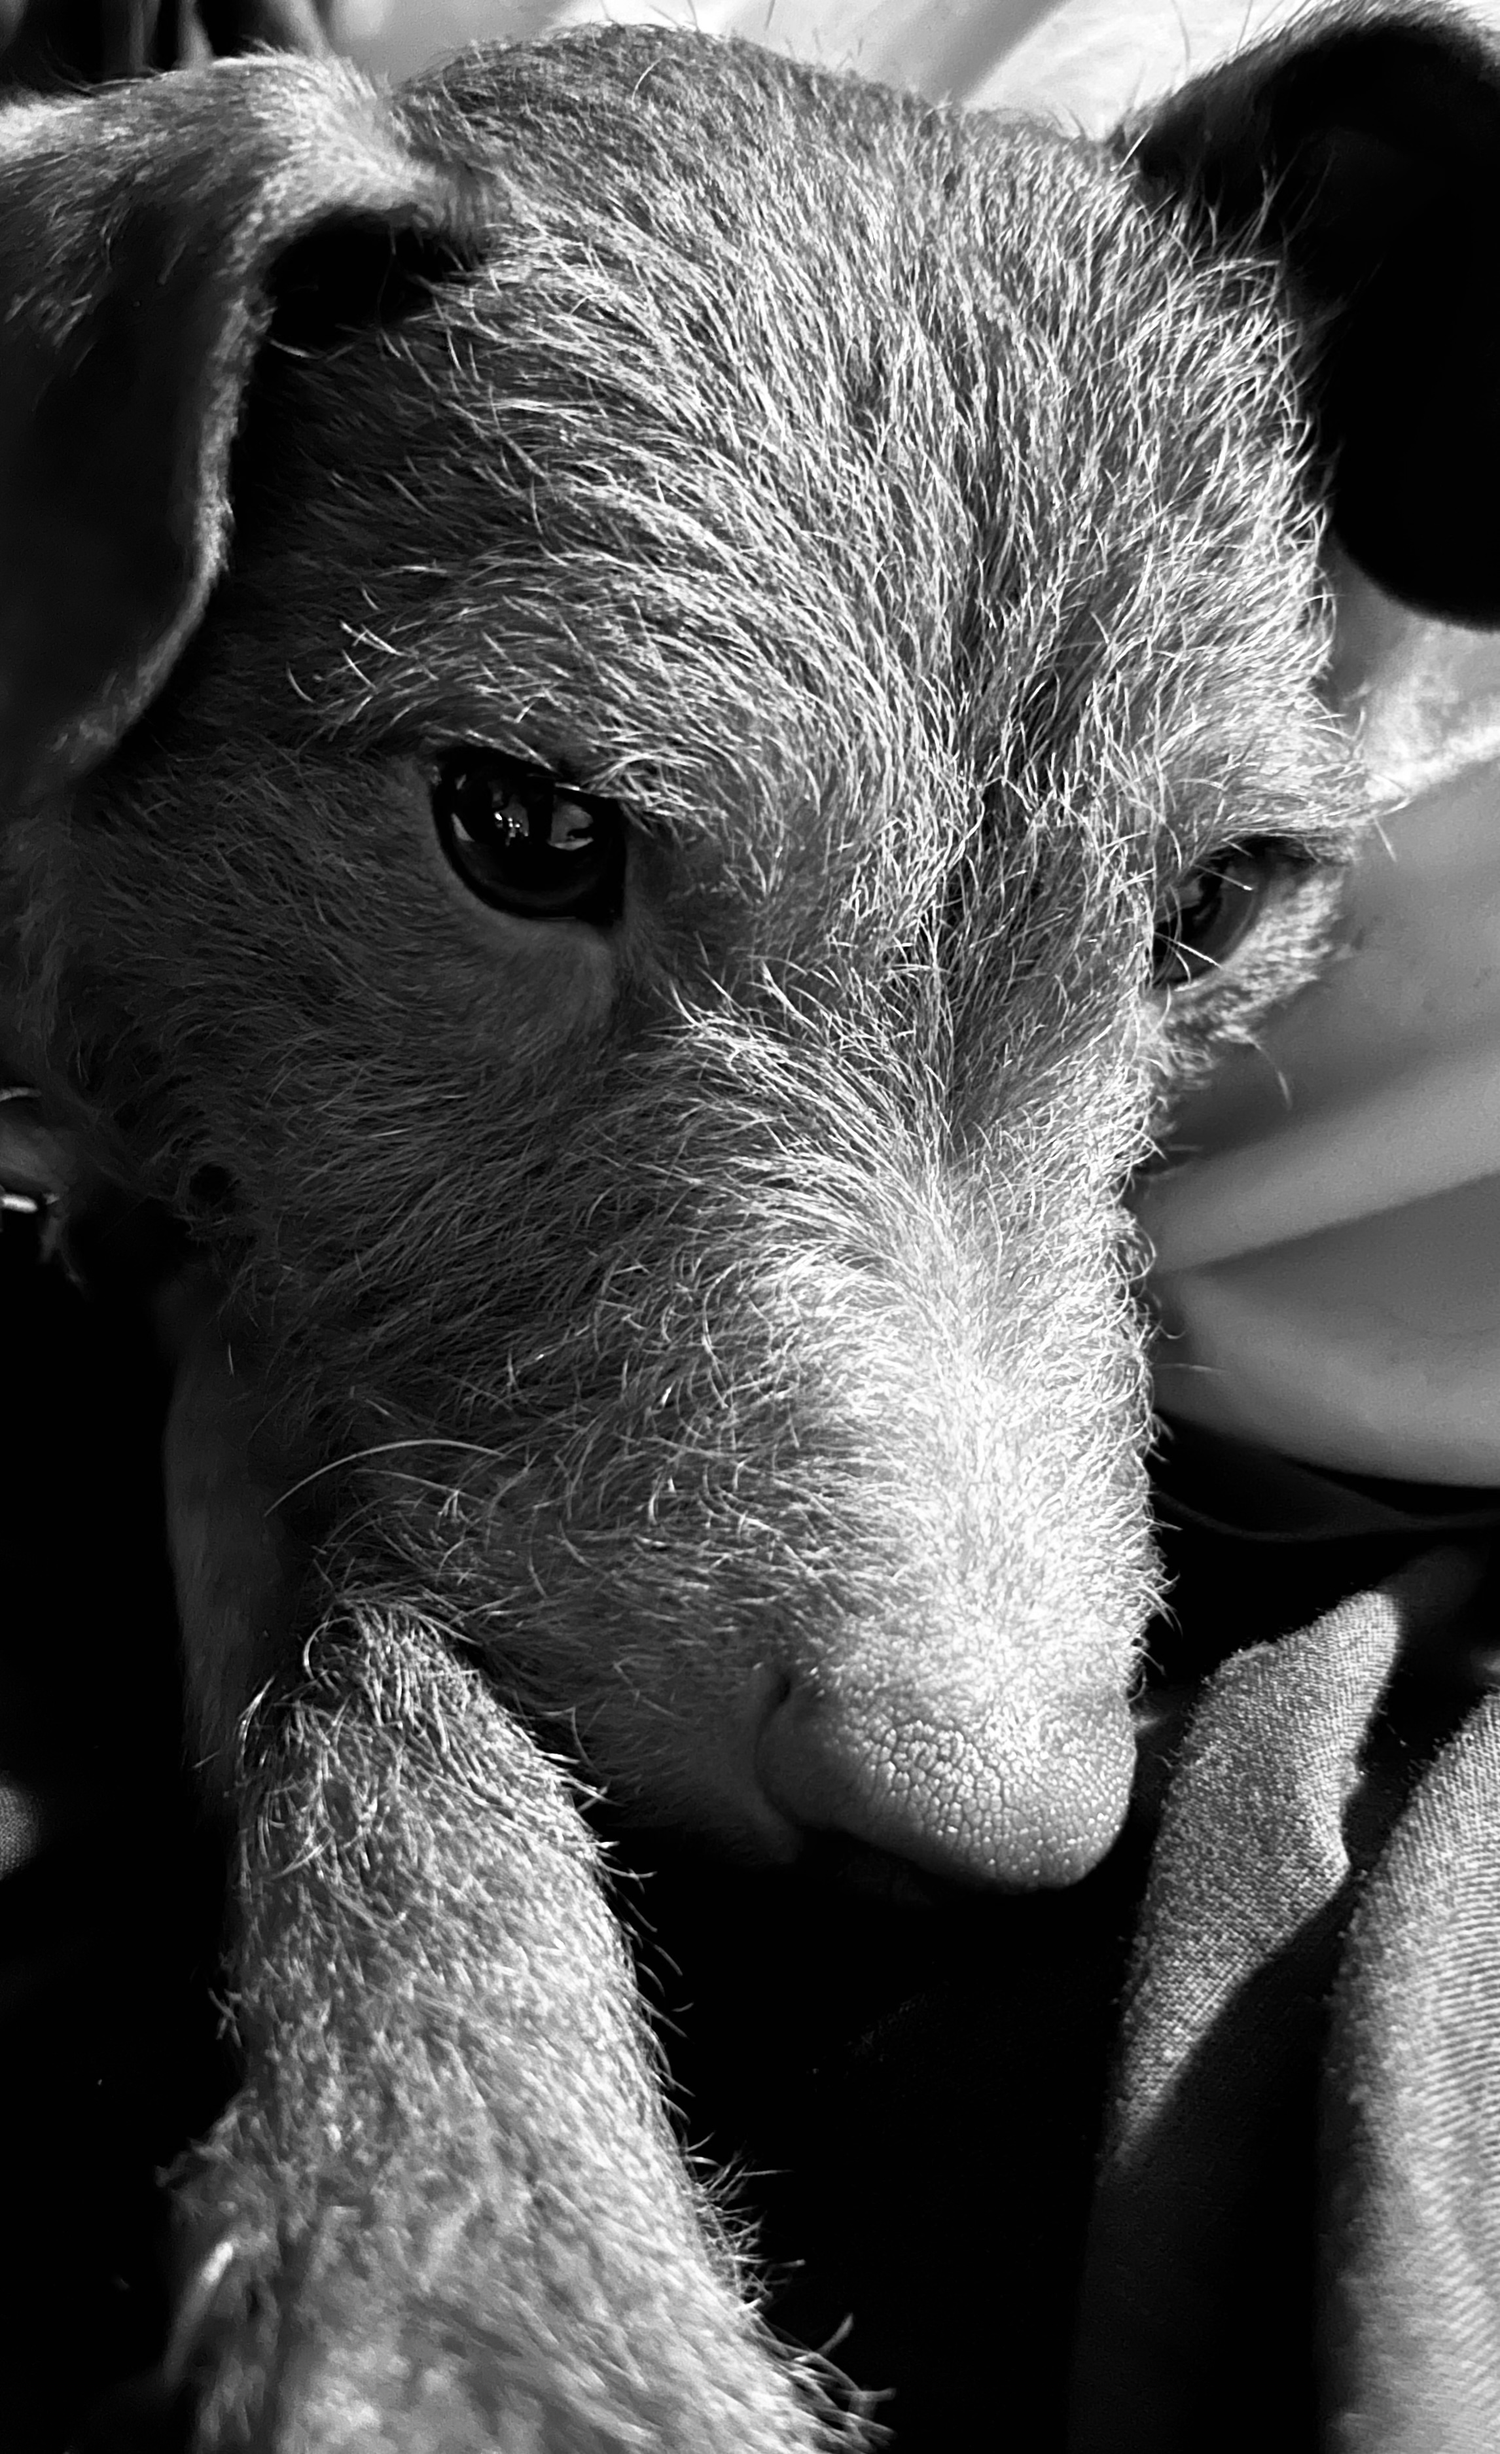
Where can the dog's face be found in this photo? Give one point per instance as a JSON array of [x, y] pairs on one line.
[[750, 732]]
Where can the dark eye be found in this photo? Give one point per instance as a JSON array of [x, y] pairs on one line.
[[1212, 911], [527, 843]]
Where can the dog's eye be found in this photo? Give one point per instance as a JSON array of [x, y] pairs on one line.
[[527, 843], [1212, 912]]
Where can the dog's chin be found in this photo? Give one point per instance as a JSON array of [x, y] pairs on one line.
[[855, 1875]]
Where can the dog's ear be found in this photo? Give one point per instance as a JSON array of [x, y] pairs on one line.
[[1365, 150], [150, 237]]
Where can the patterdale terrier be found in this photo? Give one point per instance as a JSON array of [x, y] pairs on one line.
[[651, 702]]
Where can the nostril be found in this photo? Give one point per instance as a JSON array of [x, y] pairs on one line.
[[799, 1779]]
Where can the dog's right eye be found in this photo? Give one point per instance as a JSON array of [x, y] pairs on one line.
[[527, 843], [1215, 908]]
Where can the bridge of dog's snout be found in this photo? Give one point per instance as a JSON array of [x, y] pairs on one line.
[[965, 1706]]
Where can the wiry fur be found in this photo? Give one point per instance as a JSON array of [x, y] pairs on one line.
[[723, 1332]]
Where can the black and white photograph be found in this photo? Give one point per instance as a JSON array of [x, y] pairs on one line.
[[749, 1227]]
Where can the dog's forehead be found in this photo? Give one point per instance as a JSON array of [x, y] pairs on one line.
[[801, 457]]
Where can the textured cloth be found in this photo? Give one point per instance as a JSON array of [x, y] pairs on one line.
[[1295, 2238], [1412, 2127]]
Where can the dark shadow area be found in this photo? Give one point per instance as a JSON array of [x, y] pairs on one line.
[[109, 1906]]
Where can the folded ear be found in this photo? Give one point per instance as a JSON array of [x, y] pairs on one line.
[[150, 238], [1365, 151]]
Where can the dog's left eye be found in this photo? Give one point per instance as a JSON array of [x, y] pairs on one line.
[[527, 843], [1212, 912]]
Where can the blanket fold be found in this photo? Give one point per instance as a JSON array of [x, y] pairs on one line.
[[1269, 2245]]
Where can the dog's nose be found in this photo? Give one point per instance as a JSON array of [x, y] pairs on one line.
[[1017, 1791]]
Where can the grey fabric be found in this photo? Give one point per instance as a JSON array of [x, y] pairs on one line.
[[1205, 2310], [1412, 2127]]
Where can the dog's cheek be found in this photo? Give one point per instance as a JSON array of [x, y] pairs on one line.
[[288, 964], [545, 986], [555, 980], [420, 950]]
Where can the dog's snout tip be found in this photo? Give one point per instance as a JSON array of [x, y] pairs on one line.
[[999, 1798]]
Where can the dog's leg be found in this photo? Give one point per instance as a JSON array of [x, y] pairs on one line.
[[446, 2212]]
